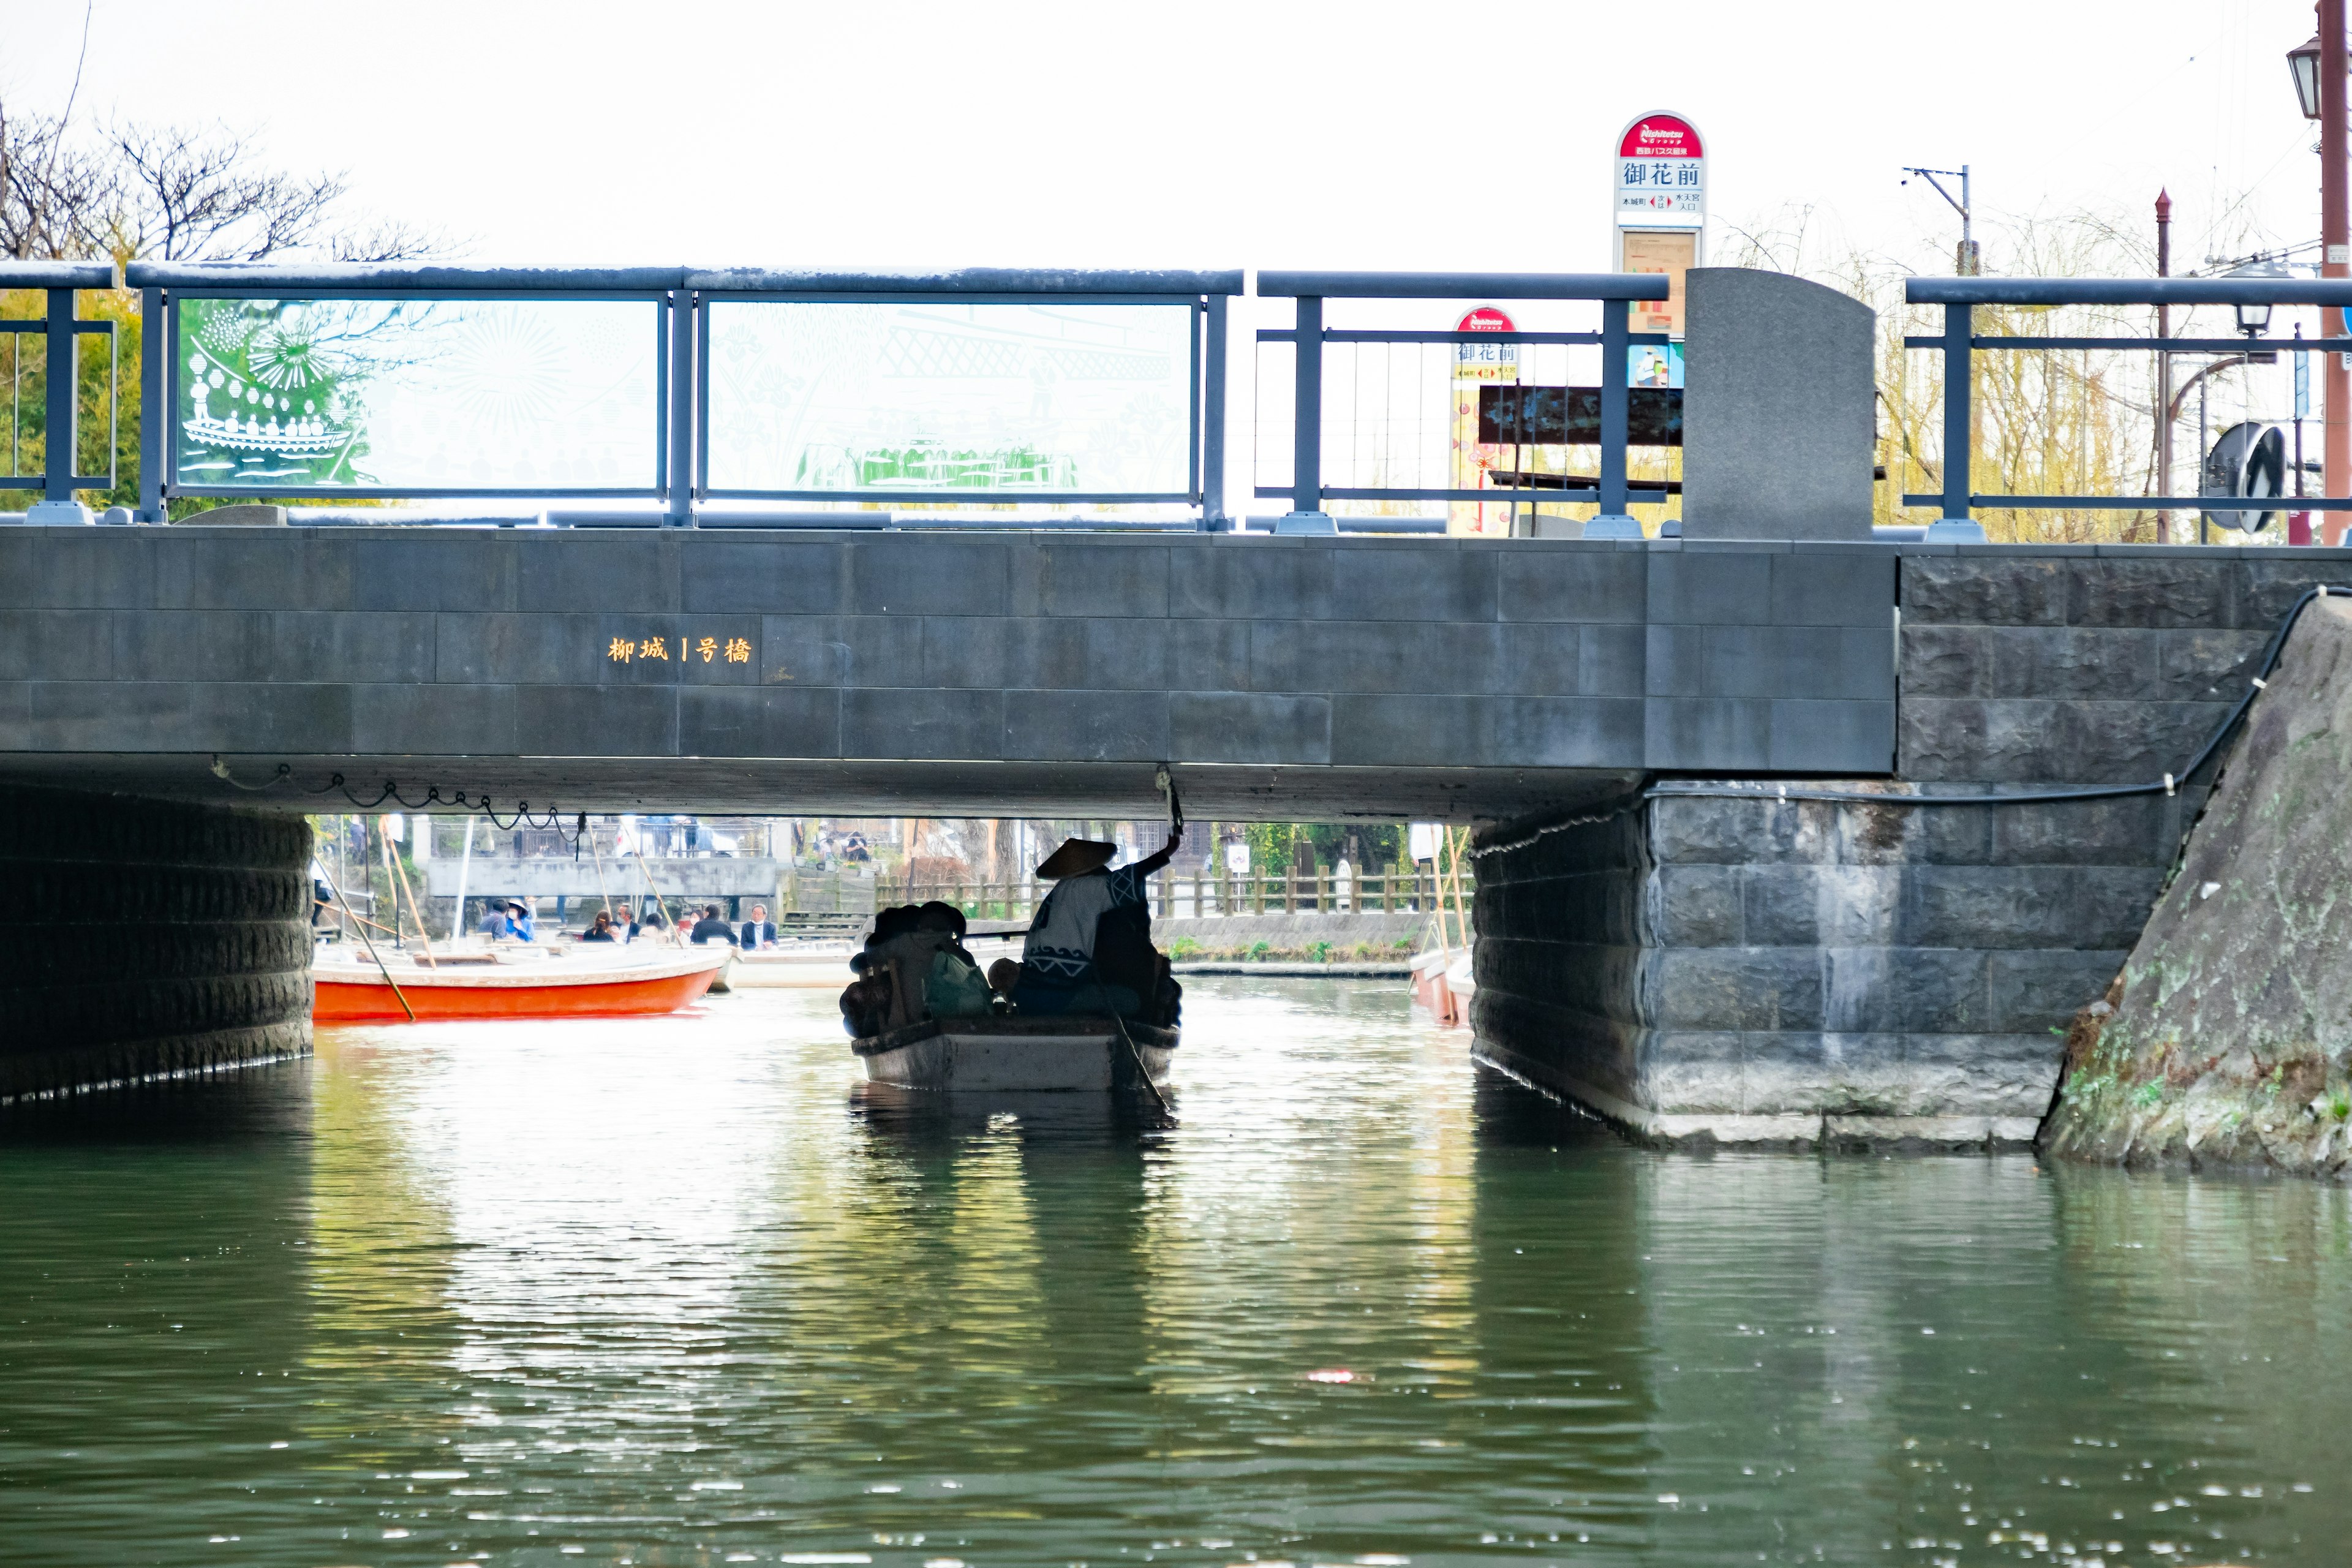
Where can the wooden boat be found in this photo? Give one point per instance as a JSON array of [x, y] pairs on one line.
[[1014, 1053], [357, 993], [796, 967], [1443, 983]]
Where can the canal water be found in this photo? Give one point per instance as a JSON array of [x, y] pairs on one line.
[[678, 1292]]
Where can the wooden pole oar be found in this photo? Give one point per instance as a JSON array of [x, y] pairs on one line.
[[1135, 1054], [424, 937], [369, 944], [659, 902], [601, 891]]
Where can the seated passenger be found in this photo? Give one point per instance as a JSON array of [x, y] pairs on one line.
[[601, 929], [710, 928], [1058, 974], [898, 957], [953, 986]]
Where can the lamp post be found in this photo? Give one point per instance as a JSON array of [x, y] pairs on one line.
[[2164, 367], [2319, 70]]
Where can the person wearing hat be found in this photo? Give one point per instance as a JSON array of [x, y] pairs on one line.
[[1057, 958]]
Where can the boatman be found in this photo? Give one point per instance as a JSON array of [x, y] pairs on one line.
[[1057, 958]]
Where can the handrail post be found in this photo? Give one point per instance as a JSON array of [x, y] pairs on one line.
[[682, 402], [1212, 417], [1614, 521], [62, 444], [1306, 440], [1957, 526], [154, 402]]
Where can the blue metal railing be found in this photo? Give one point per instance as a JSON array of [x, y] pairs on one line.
[[1959, 340], [681, 300], [63, 334], [1613, 290]]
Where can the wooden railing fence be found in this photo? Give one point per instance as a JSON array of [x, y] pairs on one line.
[[1200, 896]]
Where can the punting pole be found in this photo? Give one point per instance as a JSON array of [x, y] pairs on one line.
[[370, 944], [424, 937], [464, 864], [1142, 1072]]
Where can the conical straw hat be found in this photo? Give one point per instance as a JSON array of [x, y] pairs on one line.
[[1075, 857]]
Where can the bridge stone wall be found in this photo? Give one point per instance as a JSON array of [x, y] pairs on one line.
[[1362, 670], [141, 938], [1758, 970]]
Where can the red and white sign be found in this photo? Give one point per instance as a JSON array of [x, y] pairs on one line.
[[1486, 318], [1661, 174]]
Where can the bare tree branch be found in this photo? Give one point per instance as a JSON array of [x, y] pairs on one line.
[[178, 195]]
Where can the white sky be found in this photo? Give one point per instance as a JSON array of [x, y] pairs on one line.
[[1364, 134]]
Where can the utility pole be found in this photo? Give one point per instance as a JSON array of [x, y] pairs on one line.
[[2163, 368], [2335, 255]]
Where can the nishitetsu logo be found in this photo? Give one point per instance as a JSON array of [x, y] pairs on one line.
[[1661, 174]]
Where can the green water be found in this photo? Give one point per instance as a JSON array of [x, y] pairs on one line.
[[676, 1292]]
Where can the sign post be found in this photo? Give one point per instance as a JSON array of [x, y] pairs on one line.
[[1660, 217], [1476, 365]]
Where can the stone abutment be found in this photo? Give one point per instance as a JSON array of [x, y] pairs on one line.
[[139, 938]]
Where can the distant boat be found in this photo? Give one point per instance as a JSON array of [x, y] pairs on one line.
[[1444, 982], [481, 984], [1018, 1054], [809, 967]]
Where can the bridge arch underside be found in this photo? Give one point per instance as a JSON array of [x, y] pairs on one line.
[[786, 786]]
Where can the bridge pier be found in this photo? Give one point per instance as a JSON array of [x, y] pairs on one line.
[[139, 938], [1765, 971]]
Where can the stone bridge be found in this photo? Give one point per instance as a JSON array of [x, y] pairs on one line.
[[1668, 931]]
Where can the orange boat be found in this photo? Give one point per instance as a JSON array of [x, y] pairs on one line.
[[358, 994]]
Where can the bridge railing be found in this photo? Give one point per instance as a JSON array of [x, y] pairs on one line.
[[59, 333], [1959, 340], [921, 392], [1311, 432]]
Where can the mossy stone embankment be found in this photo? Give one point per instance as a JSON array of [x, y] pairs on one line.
[[2227, 1039]]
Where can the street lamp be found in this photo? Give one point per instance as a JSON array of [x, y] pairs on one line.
[[2255, 318], [2304, 63]]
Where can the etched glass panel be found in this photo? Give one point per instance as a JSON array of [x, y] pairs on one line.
[[950, 400], [472, 395]]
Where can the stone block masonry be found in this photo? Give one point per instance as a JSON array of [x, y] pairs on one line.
[[1765, 971], [140, 939], [1757, 970], [1290, 678]]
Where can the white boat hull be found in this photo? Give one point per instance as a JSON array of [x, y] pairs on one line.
[[796, 971], [1017, 1054]]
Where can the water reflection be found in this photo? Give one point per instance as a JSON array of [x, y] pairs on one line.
[[686, 1292]]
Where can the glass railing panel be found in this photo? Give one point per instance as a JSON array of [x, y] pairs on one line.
[[478, 396], [953, 402]]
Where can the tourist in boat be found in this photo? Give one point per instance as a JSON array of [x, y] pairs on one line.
[[953, 986], [600, 930], [759, 931], [711, 928], [1058, 973], [520, 925], [493, 925]]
